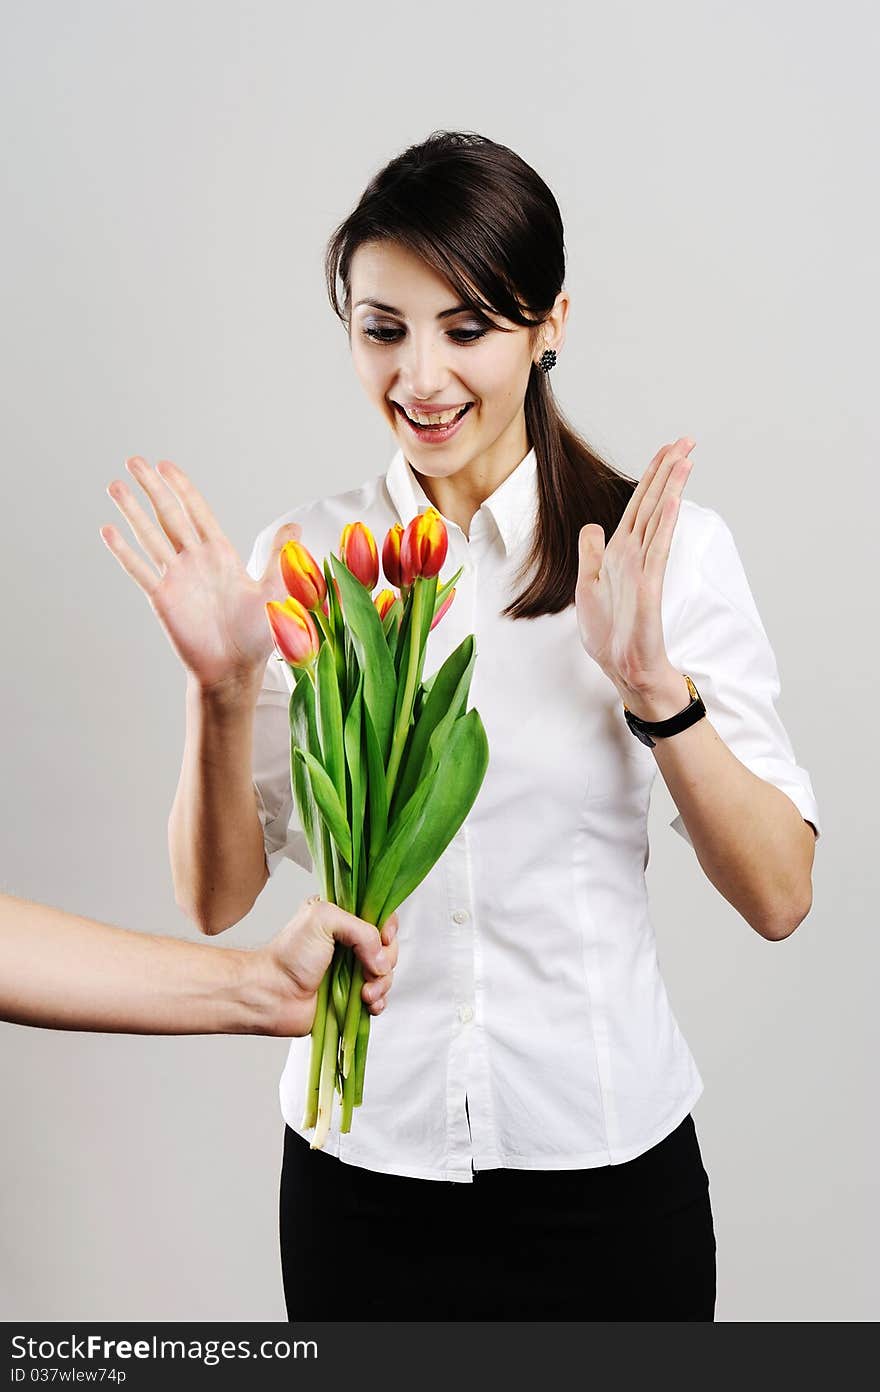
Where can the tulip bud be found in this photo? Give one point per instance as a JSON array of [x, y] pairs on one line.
[[423, 546], [302, 575], [391, 555], [357, 550], [294, 631], [443, 607], [383, 601]]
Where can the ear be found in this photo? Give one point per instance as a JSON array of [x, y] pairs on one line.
[[553, 328]]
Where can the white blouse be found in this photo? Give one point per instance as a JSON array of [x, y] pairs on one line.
[[528, 1025]]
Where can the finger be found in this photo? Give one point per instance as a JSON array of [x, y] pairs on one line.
[[170, 515], [640, 489], [390, 928], [133, 564], [676, 480], [152, 538], [661, 536], [204, 523], [391, 954], [375, 991], [655, 490], [346, 928]]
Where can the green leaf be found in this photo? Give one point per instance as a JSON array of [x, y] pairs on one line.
[[455, 783], [376, 789], [341, 982], [329, 805], [342, 887], [443, 590], [443, 705], [329, 712], [391, 626], [333, 612], [414, 639], [385, 869], [354, 758], [402, 637], [374, 659], [301, 711]]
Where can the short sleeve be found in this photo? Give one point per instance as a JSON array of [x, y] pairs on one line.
[[282, 834], [721, 643]]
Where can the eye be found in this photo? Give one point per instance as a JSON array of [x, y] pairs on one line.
[[381, 335]]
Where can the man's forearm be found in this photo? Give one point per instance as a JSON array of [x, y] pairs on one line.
[[750, 839], [61, 971]]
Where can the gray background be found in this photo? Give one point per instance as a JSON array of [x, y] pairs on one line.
[[172, 172]]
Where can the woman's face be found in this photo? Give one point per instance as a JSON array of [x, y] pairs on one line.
[[418, 353]]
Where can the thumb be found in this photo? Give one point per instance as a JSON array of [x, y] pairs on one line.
[[291, 531], [591, 549]]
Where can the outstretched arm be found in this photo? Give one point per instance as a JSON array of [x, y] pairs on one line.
[[62, 971]]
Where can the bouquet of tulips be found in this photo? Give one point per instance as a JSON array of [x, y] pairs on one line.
[[384, 766]]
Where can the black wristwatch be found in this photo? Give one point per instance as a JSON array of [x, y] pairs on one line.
[[644, 729]]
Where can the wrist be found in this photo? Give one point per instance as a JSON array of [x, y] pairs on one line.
[[659, 701], [229, 696], [259, 992]]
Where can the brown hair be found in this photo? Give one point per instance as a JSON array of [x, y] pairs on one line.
[[487, 222]]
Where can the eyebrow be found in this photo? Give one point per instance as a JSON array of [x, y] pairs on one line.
[[389, 309]]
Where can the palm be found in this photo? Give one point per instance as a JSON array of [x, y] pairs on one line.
[[620, 586], [613, 613], [212, 610]]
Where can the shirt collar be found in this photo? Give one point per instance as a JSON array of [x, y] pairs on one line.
[[513, 506]]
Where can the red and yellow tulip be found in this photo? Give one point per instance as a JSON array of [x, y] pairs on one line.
[[357, 550], [423, 546], [383, 601], [391, 555], [302, 575], [294, 631]]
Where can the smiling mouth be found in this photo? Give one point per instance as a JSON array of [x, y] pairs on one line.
[[438, 428]]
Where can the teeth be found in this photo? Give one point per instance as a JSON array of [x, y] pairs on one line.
[[443, 418]]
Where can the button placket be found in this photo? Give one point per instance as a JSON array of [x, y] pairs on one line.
[[461, 997]]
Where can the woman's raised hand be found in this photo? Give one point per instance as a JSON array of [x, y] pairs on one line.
[[619, 587], [211, 609]]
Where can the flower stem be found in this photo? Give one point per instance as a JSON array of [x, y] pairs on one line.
[[352, 1017], [323, 1000], [409, 690], [360, 1056], [349, 1088], [317, 1050], [328, 1081]]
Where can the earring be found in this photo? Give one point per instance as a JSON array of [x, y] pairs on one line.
[[547, 359]]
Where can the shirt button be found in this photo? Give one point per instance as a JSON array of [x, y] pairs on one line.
[[465, 1014], [460, 916]]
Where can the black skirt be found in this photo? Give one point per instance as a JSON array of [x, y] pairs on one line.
[[633, 1241]]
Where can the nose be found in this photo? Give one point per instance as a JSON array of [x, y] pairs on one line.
[[422, 374]]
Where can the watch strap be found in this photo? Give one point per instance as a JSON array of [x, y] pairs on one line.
[[644, 729]]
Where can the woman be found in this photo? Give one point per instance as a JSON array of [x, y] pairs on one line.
[[526, 1130]]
